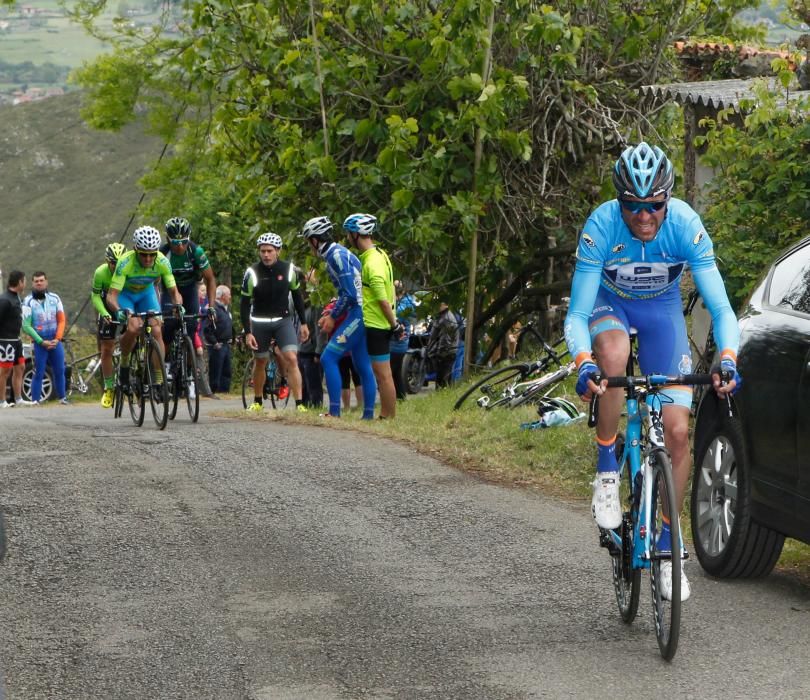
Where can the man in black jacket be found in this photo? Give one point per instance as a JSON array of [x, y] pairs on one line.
[[11, 350], [218, 338], [443, 344]]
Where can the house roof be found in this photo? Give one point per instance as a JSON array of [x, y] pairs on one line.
[[713, 49], [717, 94]]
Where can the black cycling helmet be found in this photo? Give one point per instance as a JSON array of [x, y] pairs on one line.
[[643, 171], [177, 228]]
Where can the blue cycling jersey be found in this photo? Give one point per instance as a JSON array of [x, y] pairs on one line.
[[344, 270], [610, 257]]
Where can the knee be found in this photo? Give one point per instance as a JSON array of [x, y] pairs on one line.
[[677, 437]]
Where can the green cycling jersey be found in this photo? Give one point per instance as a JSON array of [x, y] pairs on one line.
[[378, 285], [132, 277], [101, 283]]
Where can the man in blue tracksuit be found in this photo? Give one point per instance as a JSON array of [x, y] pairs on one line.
[[345, 321]]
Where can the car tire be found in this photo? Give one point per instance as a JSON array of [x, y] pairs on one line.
[[728, 542], [28, 380]]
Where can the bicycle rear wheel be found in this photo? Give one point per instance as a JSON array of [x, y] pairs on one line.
[[494, 386], [155, 380], [626, 579], [188, 380], [118, 401], [247, 383], [135, 397], [175, 385], [666, 613]]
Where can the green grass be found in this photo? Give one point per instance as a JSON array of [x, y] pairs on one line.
[[558, 461]]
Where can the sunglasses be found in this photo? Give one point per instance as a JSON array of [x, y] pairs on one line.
[[178, 241], [147, 255], [636, 207]]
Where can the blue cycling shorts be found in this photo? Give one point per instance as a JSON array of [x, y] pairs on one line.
[[139, 302], [663, 346]]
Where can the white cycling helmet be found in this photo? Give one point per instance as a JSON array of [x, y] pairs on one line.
[[364, 224], [553, 403], [319, 228], [272, 239], [146, 239]]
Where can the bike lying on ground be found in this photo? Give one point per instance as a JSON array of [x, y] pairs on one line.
[[147, 378], [521, 383], [647, 494]]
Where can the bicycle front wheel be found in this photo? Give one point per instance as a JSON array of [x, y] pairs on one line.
[[136, 398], [155, 380], [188, 383], [495, 386], [626, 579], [247, 384], [666, 613]]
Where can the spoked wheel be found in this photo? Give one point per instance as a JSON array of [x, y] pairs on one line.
[[135, 397], [667, 613], [118, 401], [626, 579], [175, 385], [247, 384], [495, 386], [188, 383], [156, 388], [272, 384]]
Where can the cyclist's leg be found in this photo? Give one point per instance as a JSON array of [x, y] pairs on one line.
[[262, 334], [287, 341], [330, 360], [664, 349], [105, 335], [378, 343], [355, 334]]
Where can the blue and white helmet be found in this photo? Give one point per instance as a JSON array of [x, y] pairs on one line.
[[364, 224], [146, 239], [643, 171], [272, 239]]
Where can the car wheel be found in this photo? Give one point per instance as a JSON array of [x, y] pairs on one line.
[[28, 380], [728, 542]]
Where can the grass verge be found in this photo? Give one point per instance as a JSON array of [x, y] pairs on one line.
[[558, 461]]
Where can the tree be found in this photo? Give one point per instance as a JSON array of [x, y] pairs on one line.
[[351, 105]]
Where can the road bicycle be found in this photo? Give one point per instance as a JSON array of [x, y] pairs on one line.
[[80, 372], [147, 378], [182, 361], [647, 493], [274, 384], [521, 383]]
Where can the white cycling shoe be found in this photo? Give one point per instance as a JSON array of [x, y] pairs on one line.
[[666, 582], [605, 505]]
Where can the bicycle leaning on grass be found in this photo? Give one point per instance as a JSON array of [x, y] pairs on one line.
[[520, 384], [648, 496], [147, 378], [79, 372]]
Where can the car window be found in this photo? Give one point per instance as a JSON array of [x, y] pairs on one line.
[[790, 282]]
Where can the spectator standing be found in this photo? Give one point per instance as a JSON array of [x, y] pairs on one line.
[[218, 333], [199, 345], [12, 361], [405, 305], [309, 359], [378, 306], [443, 344], [44, 321]]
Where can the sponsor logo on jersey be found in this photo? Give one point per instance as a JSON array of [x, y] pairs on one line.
[[685, 365], [642, 270], [598, 309], [588, 241], [697, 239], [618, 248]]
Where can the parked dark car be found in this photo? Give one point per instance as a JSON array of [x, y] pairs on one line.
[[28, 378], [751, 485]]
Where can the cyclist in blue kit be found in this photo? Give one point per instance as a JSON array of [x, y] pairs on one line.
[[344, 270], [631, 254]]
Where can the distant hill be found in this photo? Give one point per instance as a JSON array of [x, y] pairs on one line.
[[65, 192]]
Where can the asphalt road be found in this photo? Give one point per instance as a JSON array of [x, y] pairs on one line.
[[244, 559]]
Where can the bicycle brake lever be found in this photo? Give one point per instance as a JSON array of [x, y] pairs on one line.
[[593, 411]]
